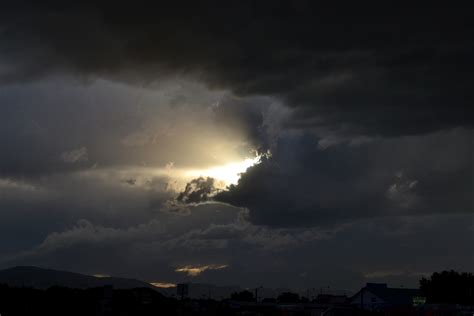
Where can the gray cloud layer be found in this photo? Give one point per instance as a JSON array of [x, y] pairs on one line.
[[367, 69]]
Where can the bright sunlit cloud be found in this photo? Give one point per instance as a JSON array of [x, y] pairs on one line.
[[226, 174], [141, 177]]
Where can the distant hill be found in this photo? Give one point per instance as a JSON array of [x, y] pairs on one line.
[[44, 278]]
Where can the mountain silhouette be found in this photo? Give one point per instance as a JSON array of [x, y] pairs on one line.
[[35, 277]]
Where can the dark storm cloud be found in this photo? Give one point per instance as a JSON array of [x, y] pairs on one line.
[[197, 190], [243, 114], [303, 184], [357, 68], [367, 111]]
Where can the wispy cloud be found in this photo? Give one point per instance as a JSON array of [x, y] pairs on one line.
[[75, 155], [196, 270]]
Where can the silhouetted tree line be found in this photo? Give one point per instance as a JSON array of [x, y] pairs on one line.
[[449, 287], [62, 301], [445, 287], [242, 296], [283, 298]]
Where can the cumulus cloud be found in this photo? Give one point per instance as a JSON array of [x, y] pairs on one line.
[[173, 237], [303, 184], [197, 190]]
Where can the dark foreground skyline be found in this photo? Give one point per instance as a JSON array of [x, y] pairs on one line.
[[285, 143], [54, 292]]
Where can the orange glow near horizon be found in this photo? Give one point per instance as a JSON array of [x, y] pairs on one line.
[[197, 270], [163, 285]]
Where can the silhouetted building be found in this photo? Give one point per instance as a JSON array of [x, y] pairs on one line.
[[106, 300], [182, 290], [331, 299], [204, 291], [377, 296]]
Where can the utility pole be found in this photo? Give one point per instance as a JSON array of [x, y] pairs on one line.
[[256, 293]]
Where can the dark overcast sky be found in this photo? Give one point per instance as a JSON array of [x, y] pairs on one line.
[[363, 113]]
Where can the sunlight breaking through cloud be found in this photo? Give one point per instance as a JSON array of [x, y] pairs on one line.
[[227, 174], [197, 270], [163, 285]]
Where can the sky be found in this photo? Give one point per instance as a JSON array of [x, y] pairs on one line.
[[295, 144]]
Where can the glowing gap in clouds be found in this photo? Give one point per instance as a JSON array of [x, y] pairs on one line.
[[163, 285], [227, 174], [101, 275], [197, 270]]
